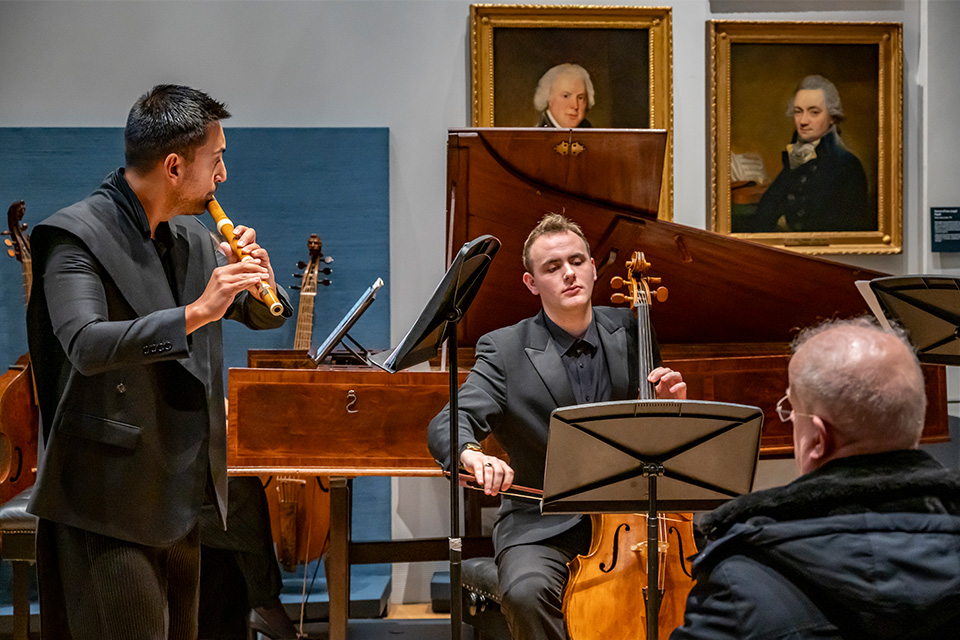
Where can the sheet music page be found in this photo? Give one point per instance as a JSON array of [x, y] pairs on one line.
[[864, 287]]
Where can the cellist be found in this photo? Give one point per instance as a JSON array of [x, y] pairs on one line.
[[569, 353]]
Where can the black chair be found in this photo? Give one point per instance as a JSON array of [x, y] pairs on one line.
[[481, 599], [481, 589], [18, 533]]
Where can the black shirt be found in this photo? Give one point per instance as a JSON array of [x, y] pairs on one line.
[[584, 362], [163, 241]]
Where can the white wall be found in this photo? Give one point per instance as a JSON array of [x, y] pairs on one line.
[[396, 63], [404, 64], [942, 151]]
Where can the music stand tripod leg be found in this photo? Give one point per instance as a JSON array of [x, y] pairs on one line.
[[456, 582], [653, 559]]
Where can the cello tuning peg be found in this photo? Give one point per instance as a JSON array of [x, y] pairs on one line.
[[661, 294], [295, 287], [616, 282], [328, 259], [11, 253], [7, 241], [618, 298], [297, 275], [653, 280], [326, 271], [301, 264], [325, 282]]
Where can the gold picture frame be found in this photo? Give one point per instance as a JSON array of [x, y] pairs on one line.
[[763, 186], [626, 50]]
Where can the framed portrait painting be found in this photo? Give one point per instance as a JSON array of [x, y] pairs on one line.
[[806, 134], [574, 66]]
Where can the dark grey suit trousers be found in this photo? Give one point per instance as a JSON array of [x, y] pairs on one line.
[[532, 578]]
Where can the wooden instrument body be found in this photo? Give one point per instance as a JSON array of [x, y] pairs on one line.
[[605, 594], [299, 509], [351, 421], [19, 424], [19, 416]]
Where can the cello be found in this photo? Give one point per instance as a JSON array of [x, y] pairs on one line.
[[300, 506], [607, 594], [19, 416]]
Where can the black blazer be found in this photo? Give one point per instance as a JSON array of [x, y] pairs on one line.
[[131, 407], [517, 381], [828, 193]]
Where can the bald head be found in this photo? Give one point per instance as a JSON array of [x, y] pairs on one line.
[[863, 383]]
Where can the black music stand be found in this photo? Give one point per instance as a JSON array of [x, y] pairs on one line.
[[650, 455], [928, 308], [436, 323]]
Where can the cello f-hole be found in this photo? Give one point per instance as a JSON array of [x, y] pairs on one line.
[[616, 549], [19, 465], [683, 557]]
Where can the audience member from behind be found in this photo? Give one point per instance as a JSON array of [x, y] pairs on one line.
[[867, 541]]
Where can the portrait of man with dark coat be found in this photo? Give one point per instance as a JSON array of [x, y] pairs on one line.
[[822, 185]]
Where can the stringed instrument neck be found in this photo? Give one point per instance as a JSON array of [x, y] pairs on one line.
[[304, 332], [646, 362], [27, 278], [639, 296], [308, 292]]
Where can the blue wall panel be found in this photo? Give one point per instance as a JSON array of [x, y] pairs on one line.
[[287, 183]]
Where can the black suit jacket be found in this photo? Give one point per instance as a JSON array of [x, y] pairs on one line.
[[131, 407], [828, 193], [517, 381]]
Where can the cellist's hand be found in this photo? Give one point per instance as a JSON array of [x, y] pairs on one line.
[[669, 384], [493, 473]]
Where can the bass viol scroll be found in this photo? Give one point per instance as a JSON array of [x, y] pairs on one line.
[[19, 416], [225, 227]]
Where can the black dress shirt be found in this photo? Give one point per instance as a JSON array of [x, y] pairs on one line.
[[163, 241], [584, 362]]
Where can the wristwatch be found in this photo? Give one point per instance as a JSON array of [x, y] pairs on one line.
[[472, 446]]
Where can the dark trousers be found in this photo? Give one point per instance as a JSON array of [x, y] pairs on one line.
[[238, 566], [532, 578], [93, 587]]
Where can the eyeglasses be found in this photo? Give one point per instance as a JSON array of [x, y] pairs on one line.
[[785, 412]]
